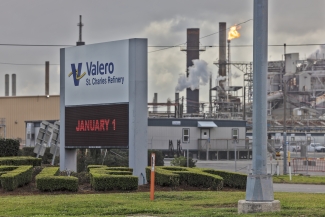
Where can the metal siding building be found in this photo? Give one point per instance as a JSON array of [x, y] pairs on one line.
[[18, 109], [215, 140]]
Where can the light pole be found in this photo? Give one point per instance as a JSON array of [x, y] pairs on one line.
[[284, 90], [284, 153], [259, 184]]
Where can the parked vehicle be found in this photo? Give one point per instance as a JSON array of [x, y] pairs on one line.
[[316, 147], [292, 147]]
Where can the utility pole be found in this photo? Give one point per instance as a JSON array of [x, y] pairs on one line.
[[80, 24], [284, 89], [182, 107], [244, 115], [210, 95]]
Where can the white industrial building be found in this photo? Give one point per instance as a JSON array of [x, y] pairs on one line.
[[218, 139]]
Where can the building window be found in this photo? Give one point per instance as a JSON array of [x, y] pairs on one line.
[[235, 133], [186, 135]]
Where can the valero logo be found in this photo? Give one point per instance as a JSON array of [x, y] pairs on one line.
[[76, 73]]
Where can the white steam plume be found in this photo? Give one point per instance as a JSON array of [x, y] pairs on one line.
[[221, 78], [198, 72], [319, 53]]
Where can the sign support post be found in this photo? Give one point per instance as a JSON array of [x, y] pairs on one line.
[[152, 177]]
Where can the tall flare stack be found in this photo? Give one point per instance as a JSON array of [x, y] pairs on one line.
[[229, 65], [222, 53], [192, 53]]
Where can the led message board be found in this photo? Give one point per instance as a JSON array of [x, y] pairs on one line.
[[100, 126]]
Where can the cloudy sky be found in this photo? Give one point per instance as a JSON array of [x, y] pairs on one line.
[[162, 22]]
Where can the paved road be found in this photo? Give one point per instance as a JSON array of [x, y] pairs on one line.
[[298, 188], [242, 166]]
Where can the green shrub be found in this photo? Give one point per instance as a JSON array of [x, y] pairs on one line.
[[7, 168], [158, 156], [18, 161], [110, 178], [9, 147], [182, 162], [27, 151], [15, 178], [110, 168], [231, 179], [83, 177], [45, 159], [163, 177], [48, 180], [106, 157], [173, 176], [94, 166]]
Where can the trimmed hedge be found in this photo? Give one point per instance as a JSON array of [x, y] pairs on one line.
[[94, 166], [19, 161], [104, 178], [110, 168], [17, 177], [48, 180], [163, 177], [173, 176], [7, 168], [231, 179], [9, 147], [158, 156]]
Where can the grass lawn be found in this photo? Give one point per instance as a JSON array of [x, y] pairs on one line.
[[297, 179], [174, 203]]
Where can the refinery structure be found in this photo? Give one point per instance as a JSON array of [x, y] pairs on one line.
[[296, 89]]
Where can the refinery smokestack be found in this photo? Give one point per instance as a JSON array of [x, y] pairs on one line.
[[47, 78], [192, 53], [169, 102], [177, 106], [155, 100], [222, 51], [176, 97], [13, 85], [6, 85]]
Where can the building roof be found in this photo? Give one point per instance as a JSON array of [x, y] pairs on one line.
[[193, 122], [206, 124]]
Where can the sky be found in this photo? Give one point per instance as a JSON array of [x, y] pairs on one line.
[[54, 22]]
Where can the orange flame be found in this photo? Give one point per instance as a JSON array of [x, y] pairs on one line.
[[233, 32]]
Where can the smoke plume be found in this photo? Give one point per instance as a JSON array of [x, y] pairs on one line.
[[318, 54], [221, 78], [198, 72]]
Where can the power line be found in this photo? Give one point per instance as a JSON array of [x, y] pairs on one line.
[[227, 28], [200, 38], [36, 45], [248, 45], [165, 47], [26, 64]]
